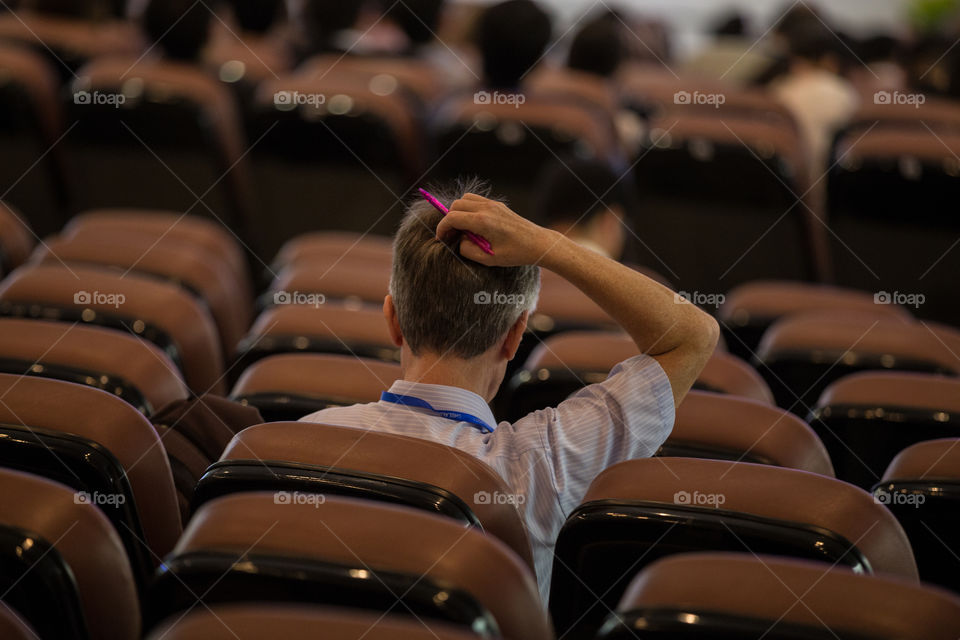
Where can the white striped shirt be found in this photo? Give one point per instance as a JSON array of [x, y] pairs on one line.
[[548, 457]]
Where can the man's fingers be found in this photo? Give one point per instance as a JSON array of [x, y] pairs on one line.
[[466, 204], [452, 224], [473, 196]]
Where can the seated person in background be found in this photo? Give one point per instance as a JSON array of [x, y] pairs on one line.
[[598, 48], [179, 27], [583, 200], [458, 315], [512, 37]]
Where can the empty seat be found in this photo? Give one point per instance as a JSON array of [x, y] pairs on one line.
[[865, 419], [922, 489], [157, 311], [290, 386], [749, 309], [252, 547], [371, 247], [327, 328], [725, 427], [567, 361], [640, 510], [739, 595], [301, 622], [132, 369], [62, 566], [16, 238], [322, 459], [96, 444], [800, 355], [352, 280]]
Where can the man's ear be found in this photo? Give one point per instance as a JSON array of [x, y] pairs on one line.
[[512, 342], [393, 324]]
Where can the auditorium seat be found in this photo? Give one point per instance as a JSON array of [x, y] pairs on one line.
[[157, 311], [724, 427], [205, 277], [365, 246], [922, 489], [132, 369], [301, 622], [385, 75], [254, 547], [356, 330], [32, 175], [866, 418], [289, 386], [940, 114], [305, 457], [16, 238], [640, 510], [348, 280], [173, 141], [62, 566], [739, 595], [13, 626], [568, 361], [800, 355], [98, 444], [565, 84], [749, 309]]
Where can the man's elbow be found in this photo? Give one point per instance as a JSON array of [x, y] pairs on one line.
[[705, 335]]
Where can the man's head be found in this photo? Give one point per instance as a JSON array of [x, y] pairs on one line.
[[512, 37], [443, 306], [419, 19], [256, 16], [598, 48], [180, 27]]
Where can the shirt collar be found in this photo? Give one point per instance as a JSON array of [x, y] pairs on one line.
[[446, 398]]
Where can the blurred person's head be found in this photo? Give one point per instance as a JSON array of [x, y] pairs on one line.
[[814, 44], [512, 37], [326, 18], [586, 201], [179, 27], [444, 307], [880, 48], [256, 16], [731, 25], [418, 19], [598, 48]]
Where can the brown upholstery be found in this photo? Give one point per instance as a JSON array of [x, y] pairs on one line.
[[774, 588], [751, 427], [347, 280], [167, 258], [561, 302], [147, 300], [417, 76], [569, 84], [346, 379], [83, 38], [769, 492], [391, 455], [937, 113], [835, 333], [93, 350], [212, 238], [302, 622], [88, 544], [14, 627], [16, 239], [918, 143], [373, 248], [378, 537], [261, 56], [930, 460], [98, 416], [35, 75], [596, 352], [767, 300], [894, 389]]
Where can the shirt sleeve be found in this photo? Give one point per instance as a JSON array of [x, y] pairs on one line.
[[628, 415]]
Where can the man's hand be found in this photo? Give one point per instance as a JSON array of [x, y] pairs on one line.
[[515, 240]]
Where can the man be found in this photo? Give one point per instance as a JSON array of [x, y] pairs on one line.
[[512, 37], [458, 315]]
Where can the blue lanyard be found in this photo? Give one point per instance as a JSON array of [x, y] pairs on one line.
[[459, 416]]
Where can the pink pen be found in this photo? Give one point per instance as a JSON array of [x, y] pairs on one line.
[[477, 240]]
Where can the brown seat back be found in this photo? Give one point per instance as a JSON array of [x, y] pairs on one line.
[[378, 537], [13, 626], [931, 460], [334, 243], [880, 389], [337, 280], [16, 238]]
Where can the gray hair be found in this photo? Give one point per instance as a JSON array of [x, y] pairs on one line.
[[447, 304]]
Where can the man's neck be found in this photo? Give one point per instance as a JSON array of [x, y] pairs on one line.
[[466, 374]]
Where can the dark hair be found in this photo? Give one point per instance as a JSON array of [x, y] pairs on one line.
[[417, 18], [256, 16], [731, 25], [597, 48], [812, 41], [572, 190], [445, 303], [325, 18], [512, 37], [179, 26]]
